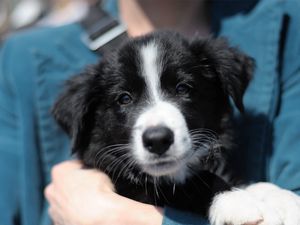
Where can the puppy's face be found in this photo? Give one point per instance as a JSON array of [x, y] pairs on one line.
[[156, 106]]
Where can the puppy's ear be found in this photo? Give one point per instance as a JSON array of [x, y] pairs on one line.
[[74, 110], [233, 68]]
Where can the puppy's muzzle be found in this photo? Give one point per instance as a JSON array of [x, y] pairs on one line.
[[158, 139]]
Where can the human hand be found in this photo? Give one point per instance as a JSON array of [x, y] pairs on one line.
[[86, 197]]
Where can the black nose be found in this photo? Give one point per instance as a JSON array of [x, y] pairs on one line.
[[158, 139]]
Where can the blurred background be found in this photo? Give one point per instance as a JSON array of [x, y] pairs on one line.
[[20, 14]]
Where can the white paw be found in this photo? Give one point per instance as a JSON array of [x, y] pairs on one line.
[[257, 204], [285, 204], [240, 207]]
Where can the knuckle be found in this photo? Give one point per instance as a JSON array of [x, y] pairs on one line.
[[48, 191], [55, 171]]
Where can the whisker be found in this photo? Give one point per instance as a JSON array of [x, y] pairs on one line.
[[155, 191], [197, 175], [105, 152], [162, 193], [119, 161], [126, 169], [146, 180]]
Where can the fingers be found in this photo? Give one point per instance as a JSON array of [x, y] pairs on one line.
[[52, 197], [54, 205], [56, 218], [48, 192], [73, 187], [58, 174]]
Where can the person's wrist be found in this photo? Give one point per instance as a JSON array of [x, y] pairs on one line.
[[150, 215], [137, 213]]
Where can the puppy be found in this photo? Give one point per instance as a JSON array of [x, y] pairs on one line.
[[154, 116]]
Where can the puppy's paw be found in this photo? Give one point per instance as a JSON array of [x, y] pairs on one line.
[[236, 207], [284, 203], [257, 204]]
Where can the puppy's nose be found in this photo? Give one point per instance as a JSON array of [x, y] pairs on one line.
[[158, 139]]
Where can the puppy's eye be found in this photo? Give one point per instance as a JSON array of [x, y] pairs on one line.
[[183, 89], [124, 99]]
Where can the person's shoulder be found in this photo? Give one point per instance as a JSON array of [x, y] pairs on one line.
[[40, 37], [44, 45], [40, 53], [42, 34]]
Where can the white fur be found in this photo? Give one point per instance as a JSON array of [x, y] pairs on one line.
[[160, 112], [261, 204], [151, 69], [163, 113]]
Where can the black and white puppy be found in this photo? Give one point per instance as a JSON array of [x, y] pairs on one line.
[[154, 115]]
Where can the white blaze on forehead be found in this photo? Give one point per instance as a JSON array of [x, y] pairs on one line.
[[151, 69]]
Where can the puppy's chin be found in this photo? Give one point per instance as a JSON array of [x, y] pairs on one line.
[[169, 168]]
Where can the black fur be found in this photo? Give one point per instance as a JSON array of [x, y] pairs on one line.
[[89, 113]]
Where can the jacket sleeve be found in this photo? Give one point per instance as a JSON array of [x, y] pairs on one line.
[[176, 217], [284, 161], [284, 158], [9, 143]]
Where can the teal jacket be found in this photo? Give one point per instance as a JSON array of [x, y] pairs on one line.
[[34, 65]]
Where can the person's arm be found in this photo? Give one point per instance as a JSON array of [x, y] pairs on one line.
[[9, 144], [177, 217], [283, 167], [284, 161], [86, 197]]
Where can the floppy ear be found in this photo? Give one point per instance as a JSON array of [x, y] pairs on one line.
[[74, 110], [233, 68]]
